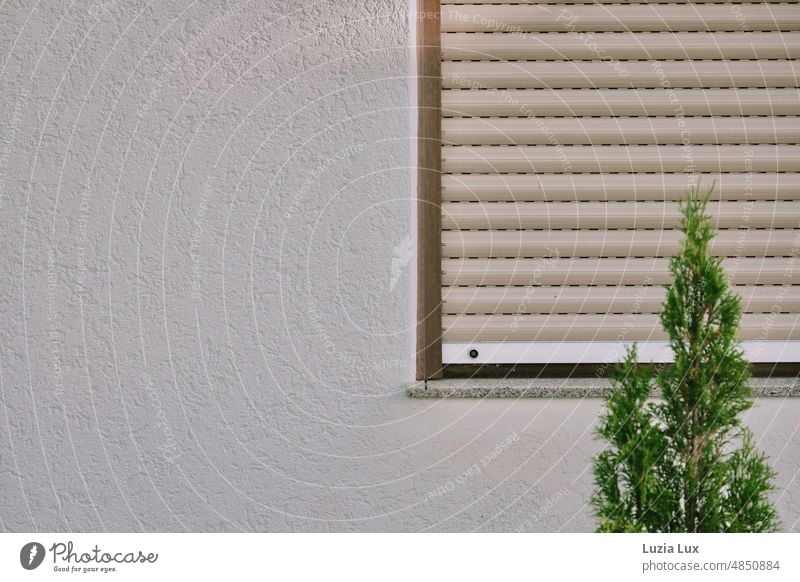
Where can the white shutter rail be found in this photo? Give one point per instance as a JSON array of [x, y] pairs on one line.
[[570, 131]]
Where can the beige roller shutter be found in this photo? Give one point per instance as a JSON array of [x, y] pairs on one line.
[[570, 128]]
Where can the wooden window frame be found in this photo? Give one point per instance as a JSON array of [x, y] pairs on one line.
[[429, 352], [429, 190]]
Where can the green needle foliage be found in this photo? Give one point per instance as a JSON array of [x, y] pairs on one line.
[[685, 463]]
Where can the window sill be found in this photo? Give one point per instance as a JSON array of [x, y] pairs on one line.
[[775, 387]]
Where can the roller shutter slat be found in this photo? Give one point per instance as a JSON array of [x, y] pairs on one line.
[[602, 75], [642, 327], [619, 187], [624, 102], [728, 45], [626, 131], [581, 159], [619, 243], [574, 300], [619, 17], [660, 215], [746, 271]]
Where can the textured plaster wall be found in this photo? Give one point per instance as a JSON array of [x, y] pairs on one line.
[[206, 315]]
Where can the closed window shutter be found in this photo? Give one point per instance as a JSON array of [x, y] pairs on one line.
[[571, 129]]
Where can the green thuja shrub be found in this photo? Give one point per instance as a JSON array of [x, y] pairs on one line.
[[685, 463]]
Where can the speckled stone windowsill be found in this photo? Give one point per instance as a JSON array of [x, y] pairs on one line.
[[562, 388]]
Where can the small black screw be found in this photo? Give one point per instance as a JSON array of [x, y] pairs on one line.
[[473, 353]]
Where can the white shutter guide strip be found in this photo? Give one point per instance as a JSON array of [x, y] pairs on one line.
[[596, 352]]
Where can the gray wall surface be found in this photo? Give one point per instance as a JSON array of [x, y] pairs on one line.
[[207, 306]]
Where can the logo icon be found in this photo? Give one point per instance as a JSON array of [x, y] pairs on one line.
[[401, 256], [31, 555]]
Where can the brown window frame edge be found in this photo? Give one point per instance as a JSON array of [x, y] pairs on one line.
[[429, 190], [429, 365]]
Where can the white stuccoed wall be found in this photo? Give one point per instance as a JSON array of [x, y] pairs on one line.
[[206, 318]]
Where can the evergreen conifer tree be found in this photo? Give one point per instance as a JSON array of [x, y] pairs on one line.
[[685, 463]]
